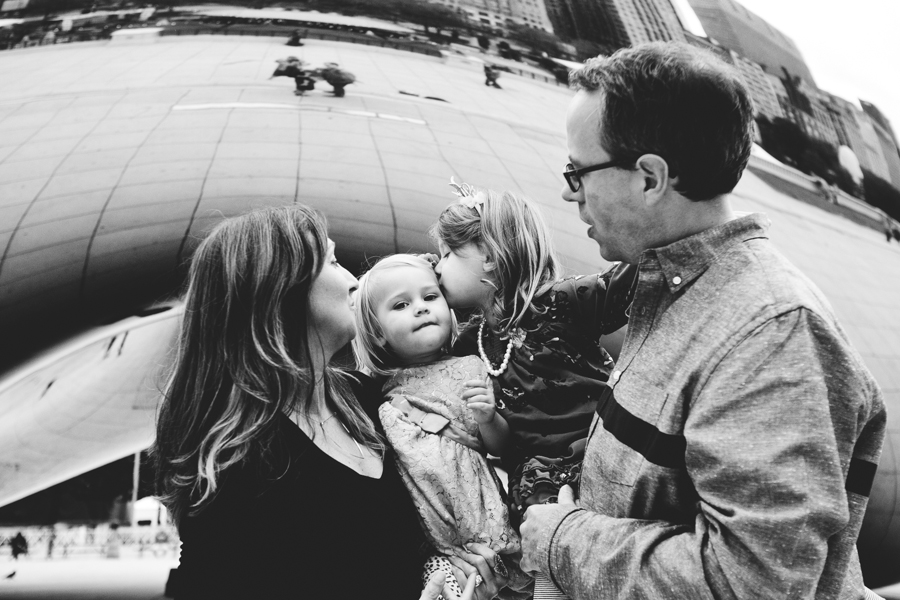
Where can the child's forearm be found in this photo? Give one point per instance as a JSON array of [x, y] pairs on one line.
[[495, 434]]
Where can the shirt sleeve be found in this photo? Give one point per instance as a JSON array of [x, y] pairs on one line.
[[769, 438], [602, 300]]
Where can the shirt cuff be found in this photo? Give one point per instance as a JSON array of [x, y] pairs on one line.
[[545, 543]]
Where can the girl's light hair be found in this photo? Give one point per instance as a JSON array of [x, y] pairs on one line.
[[243, 355], [511, 232], [370, 354]]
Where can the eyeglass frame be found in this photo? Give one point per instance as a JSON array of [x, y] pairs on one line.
[[573, 175]]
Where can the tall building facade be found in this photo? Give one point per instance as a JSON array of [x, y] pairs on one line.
[[616, 23], [733, 26], [593, 20], [886, 141], [531, 13], [498, 14], [760, 85], [649, 21], [875, 159]]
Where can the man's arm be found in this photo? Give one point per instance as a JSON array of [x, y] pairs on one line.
[[769, 438]]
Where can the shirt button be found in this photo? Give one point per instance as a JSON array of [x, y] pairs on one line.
[[616, 375], [676, 280]]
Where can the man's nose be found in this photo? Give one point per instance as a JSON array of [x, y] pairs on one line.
[[568, 195]]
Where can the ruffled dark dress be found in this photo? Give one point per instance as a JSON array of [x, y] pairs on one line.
[[319, 531], [549, 391]]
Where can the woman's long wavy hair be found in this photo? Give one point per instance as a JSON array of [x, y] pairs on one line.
[[511, 232], [243, 355]]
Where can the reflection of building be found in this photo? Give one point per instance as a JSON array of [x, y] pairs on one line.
[[874, 159], [843, 118], [762, 88], [594, 20], [616, 23], [498, 14], [532, 13], [738, 29], [887, 143], [649, 21]]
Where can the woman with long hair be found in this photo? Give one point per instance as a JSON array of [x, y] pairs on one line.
[[267, 457]]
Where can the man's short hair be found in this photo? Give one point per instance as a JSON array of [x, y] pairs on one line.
[[679, 102]]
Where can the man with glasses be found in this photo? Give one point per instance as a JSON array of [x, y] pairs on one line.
[[735, 447]]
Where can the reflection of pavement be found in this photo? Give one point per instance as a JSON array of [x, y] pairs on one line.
[[891, 592], [94, 578]]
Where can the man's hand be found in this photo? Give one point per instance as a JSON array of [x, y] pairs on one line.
[[480, 399], [538, 519]]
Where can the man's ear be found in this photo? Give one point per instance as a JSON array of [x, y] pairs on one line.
[[655, 172]]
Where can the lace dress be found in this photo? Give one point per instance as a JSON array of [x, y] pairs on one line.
[[454, 488]]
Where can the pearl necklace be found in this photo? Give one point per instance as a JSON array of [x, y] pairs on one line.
[[487, 362]]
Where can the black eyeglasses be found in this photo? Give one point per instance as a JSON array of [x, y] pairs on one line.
[[573, 175]]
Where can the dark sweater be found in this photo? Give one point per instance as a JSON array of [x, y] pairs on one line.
[[319, 531]]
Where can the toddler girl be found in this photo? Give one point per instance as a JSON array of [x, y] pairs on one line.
[[537, 334], [439, 427]]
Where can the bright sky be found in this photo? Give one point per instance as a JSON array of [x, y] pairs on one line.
[[851, 47]]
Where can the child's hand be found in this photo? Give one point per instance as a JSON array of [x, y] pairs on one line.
[[480, 399], [432, 258]]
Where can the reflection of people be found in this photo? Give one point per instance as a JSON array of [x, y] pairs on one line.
[[439, 429], [51, 541], [273, 471], [536, 333], [338, 78], [295, 38], [737, 441], [491, 75], [18, 546], [294, 67]]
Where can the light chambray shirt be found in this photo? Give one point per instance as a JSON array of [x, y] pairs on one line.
[[733, 454]]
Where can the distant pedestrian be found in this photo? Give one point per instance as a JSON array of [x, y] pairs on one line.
[[19, 545], [338, 78], [490, 76], [293, 67], [51, 541], [295, 39]]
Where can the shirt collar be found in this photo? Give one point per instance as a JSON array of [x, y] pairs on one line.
[[683, 261]]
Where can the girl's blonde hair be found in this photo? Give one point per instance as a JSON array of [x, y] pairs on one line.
[[370, 354], [243, 358], [511, 232]]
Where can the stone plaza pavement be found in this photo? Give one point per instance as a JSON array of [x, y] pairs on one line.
[[85, 579]]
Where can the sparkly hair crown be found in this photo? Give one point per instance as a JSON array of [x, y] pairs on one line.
[[469, 196]]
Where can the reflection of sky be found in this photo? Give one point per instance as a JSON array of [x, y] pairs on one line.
[[851, 48], [688, 19]]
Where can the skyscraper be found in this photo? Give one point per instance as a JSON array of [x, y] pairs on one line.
[[649, 21], [751, 36], [594, 20], [616, 23], [497, 14]]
